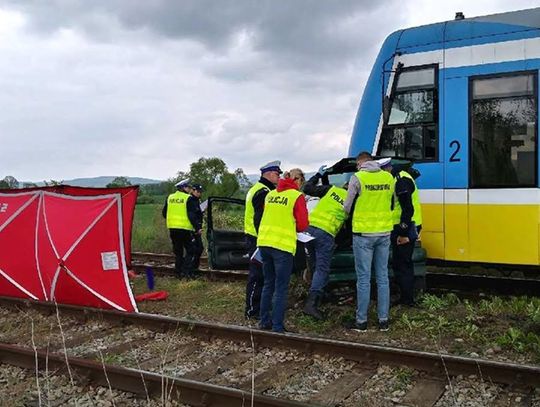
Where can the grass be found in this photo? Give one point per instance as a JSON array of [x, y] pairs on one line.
[[404, 377], [197, 298], [306, 323]]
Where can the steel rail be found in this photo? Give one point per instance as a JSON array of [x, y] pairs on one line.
[[438, 364], [138, 381], [231, 275], [166, 256]]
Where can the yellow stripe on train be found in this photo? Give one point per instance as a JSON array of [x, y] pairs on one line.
[[487, 233]]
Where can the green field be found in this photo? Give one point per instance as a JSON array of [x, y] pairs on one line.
[[149, 230]]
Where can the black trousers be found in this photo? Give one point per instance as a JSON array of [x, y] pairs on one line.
[[182, 242], [198, 250], [255, 282], [403, 267]]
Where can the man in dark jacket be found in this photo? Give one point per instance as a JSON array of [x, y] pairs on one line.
[[180, 211], [197, 236], [407, 215], [252, 219]]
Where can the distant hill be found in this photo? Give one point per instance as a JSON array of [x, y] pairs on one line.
[[100, 182]]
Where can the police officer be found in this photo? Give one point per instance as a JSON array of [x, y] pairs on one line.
[[255, 197], [197, 235], [372, 223], [407, 219], [285, 213], [180, 212], [325, 221]]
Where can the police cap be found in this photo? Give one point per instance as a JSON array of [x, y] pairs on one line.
[[384, 162], [183, 183], [272, 166]]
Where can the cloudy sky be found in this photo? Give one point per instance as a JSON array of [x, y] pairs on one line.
[[143, 88]]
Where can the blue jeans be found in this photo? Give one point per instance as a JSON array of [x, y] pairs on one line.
[[320, 252], [370, 251], [277, 268]]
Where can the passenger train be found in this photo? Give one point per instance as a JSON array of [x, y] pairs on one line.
[[460, 99]]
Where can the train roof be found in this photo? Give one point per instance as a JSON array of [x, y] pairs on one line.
[[500, 27]]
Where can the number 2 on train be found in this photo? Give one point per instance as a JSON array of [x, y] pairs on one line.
[[455, 144]]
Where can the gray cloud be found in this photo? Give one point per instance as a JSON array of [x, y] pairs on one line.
[[307, 34]]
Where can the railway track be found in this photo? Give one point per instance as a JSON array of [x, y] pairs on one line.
[[436, 280], [206, 364]]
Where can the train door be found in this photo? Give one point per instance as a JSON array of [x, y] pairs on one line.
[[455, 125], [503, 212], [227, 249]]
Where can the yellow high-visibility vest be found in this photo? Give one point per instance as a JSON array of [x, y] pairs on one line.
[[417, 215], [177, 217], [329, 214], [373, 208], [278, 224], [249, 211]]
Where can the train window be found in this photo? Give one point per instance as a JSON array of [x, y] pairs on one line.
[[417, 78], [412, 107], [503, 131], [417, 143], [411, 128], [503, 87]]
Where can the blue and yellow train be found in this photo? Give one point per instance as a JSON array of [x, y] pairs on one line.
[[460, 99]]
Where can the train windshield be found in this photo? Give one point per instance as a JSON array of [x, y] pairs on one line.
[[410, 130]]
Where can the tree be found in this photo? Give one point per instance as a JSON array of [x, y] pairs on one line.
[[242, 178], [213, 174], [9, 182], [216, 179], [118, 182]]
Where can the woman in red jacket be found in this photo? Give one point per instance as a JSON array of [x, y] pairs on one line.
[[285, 213]]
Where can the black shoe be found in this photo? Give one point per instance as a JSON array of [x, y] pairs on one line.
[[264, 327], [310, 308], [357, 326], [384, 326]]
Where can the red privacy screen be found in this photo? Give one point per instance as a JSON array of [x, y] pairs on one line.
[[128, 195], [66, 248]]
